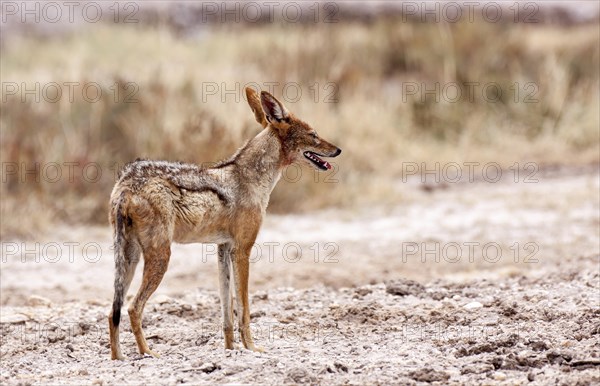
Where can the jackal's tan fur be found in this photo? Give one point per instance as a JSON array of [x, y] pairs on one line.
[[155, 203]]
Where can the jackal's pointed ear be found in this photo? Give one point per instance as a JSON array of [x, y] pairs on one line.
[[254, 102], [274, 110]]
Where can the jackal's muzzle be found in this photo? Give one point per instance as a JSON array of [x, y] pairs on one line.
[[317, 161]]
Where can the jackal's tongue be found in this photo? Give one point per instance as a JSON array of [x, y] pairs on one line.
[[315, 158]]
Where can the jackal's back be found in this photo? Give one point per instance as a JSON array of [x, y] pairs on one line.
[[185, 198]]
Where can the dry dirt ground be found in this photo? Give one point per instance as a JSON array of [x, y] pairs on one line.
[[467, 283]]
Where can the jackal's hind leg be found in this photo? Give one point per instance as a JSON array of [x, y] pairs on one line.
[[131, 258], [156, 261]]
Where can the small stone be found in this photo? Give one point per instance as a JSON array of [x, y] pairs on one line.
[[558, 358], [233, 370], [299, 375], [429, 375], [363, 291], [499, 376], [208, 367], [472, 306], [37, 301], [161, 299], [456, 297], [257, 314], [261, 295], [404, 287], [13, 319], [538, 345]]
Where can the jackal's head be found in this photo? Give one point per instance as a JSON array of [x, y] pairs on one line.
[[299, 141]]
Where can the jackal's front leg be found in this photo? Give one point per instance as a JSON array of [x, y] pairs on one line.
[[241, 267], [225, 294]]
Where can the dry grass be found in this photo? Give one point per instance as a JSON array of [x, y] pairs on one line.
[[376, 124]]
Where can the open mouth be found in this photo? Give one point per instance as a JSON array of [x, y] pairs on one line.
[[314, 158]]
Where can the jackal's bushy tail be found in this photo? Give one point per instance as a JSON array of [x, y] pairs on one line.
[[120, 262]]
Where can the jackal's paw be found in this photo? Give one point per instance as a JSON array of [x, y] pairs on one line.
[[150, 353], [256, 349], [118, 357]]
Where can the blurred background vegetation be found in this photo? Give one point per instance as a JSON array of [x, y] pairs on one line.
[[158, 101]]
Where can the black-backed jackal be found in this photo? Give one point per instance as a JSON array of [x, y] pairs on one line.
[[156, 203]]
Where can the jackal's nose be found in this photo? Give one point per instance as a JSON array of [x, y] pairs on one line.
[[338, 152]]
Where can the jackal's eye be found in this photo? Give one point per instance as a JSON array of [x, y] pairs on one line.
[[314, 135]]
